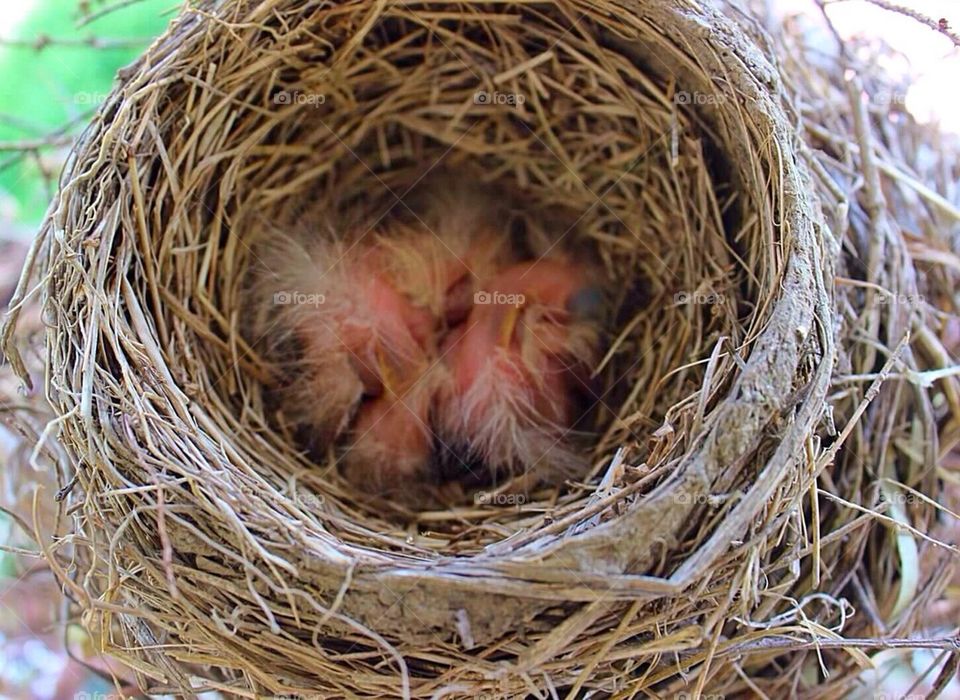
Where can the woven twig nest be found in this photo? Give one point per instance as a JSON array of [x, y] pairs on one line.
[[210, 552]]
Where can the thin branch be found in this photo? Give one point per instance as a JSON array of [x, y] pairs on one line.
[[790, 644], [941, 25], [44, 41], [35, 144], [103, 12]]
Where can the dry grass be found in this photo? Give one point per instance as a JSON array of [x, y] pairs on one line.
[[771, 466]]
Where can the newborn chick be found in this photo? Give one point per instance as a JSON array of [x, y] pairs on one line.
[[517, 362], [443, 275], [391, 443], [355, 324], [366, 319]]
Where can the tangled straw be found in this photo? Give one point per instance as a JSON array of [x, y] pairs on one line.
[[772, 468]]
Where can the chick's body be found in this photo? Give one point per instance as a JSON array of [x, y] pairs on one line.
[[516, 364], [393, 351], [391, 443], [358, 325], [370, 344]]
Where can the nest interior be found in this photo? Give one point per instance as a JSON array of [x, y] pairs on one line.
[[211, 553]]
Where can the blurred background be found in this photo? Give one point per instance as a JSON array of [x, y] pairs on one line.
[[58, 59]]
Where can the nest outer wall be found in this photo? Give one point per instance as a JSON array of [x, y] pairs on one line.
[[206, 547]]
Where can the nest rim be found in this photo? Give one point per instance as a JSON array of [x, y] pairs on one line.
[[522, 576]]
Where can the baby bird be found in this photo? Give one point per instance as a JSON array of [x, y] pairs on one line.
[[366, 314], [353, 323], [430, 324], [391, 443], [516, 364]]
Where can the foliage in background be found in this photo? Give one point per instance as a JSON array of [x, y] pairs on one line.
[[56, 67], [50, 76]]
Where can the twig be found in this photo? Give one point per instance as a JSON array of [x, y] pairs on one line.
[[790, 644], [941, 25], [35, 144], [103, 12], [44, 41]]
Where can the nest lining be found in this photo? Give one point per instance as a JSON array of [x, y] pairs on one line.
[[206, 525]]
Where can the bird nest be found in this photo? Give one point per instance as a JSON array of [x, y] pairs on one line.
[[740, 479]]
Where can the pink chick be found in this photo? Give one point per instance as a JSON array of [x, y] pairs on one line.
[[516, 365]]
